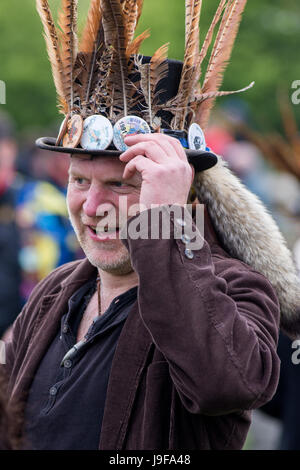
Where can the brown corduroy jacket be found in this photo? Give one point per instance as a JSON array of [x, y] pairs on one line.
[[197, 351]]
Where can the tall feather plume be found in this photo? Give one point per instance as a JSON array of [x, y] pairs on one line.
[[224, 15], [220, 56], [159, 69], [190, 70], [208, 39], [51, 38], [69, 43], [151, 74], [102, 96], [116, 38], [189, 6], [130, 12], [91, 47]]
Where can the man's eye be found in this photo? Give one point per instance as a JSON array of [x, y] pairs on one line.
[[119, 184], [80, 181]]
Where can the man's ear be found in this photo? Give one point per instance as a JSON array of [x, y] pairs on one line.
[[193, 170]]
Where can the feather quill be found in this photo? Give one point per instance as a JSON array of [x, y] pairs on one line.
[[151, 75], [208, 39], [51, 38], [115, 37], [159, 69], [190, 70], [69, 43], [202, 97], [130, 12], [188, 19], [220, 55], [216, 94], [91, 46]]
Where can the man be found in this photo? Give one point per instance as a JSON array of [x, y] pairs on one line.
[[189, 361], [151, 342]]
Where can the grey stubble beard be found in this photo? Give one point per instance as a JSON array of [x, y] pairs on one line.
[[121, 266]]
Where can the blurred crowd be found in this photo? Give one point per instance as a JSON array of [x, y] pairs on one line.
[[36, 237], [35, 232]]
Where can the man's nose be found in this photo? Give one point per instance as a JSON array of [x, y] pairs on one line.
[[96, 198]]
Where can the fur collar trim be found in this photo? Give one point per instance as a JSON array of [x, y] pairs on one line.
[[249, 233]]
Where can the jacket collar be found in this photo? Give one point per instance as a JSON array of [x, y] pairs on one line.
[[131, 355]]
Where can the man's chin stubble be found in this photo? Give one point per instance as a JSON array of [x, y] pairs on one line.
[[120, 266]]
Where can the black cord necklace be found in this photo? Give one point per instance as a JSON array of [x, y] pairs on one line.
[[72, 352]]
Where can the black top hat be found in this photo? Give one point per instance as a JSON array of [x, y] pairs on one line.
[[167, 88], [106, 76]]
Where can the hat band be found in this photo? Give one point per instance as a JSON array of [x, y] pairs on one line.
[[179, 135]]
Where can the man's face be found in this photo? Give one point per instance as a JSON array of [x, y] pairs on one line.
[[95, 189]]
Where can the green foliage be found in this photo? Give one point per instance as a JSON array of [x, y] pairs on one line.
[[266, 51]]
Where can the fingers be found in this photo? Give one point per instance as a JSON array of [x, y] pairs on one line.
[[170, 146], [140, 164], [149, 149]]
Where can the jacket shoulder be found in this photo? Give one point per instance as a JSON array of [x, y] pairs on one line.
[[51, 283]]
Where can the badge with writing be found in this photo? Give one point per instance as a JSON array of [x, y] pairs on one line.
[[129, 125]]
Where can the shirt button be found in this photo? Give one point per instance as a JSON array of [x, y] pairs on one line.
[[53, 391], [189, 254], [181, 222], [65, 328], [68, 364], [185, 238]]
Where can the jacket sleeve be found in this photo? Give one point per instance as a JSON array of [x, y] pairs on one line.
[[214, 319]]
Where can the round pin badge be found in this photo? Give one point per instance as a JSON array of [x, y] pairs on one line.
[[62, 130], [196, 137], [97, 133], [128, 125], [74, 131]]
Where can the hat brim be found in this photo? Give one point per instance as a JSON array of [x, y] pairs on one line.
[[201, 160]]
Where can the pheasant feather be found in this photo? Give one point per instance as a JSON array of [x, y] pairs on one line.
[[115, 37], [151, 75], [190, 70], [51, 38], [91, 45], [208, 39], [130, 12], [69, 44], [221, 54]]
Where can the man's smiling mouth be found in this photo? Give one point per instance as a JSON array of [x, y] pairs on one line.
[[98, 230]]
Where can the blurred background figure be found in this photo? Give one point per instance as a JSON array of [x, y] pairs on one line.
[[10, 301], [35, 233], [47, 238]]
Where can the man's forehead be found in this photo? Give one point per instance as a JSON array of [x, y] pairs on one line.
[[104, 167], [90, 162]]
